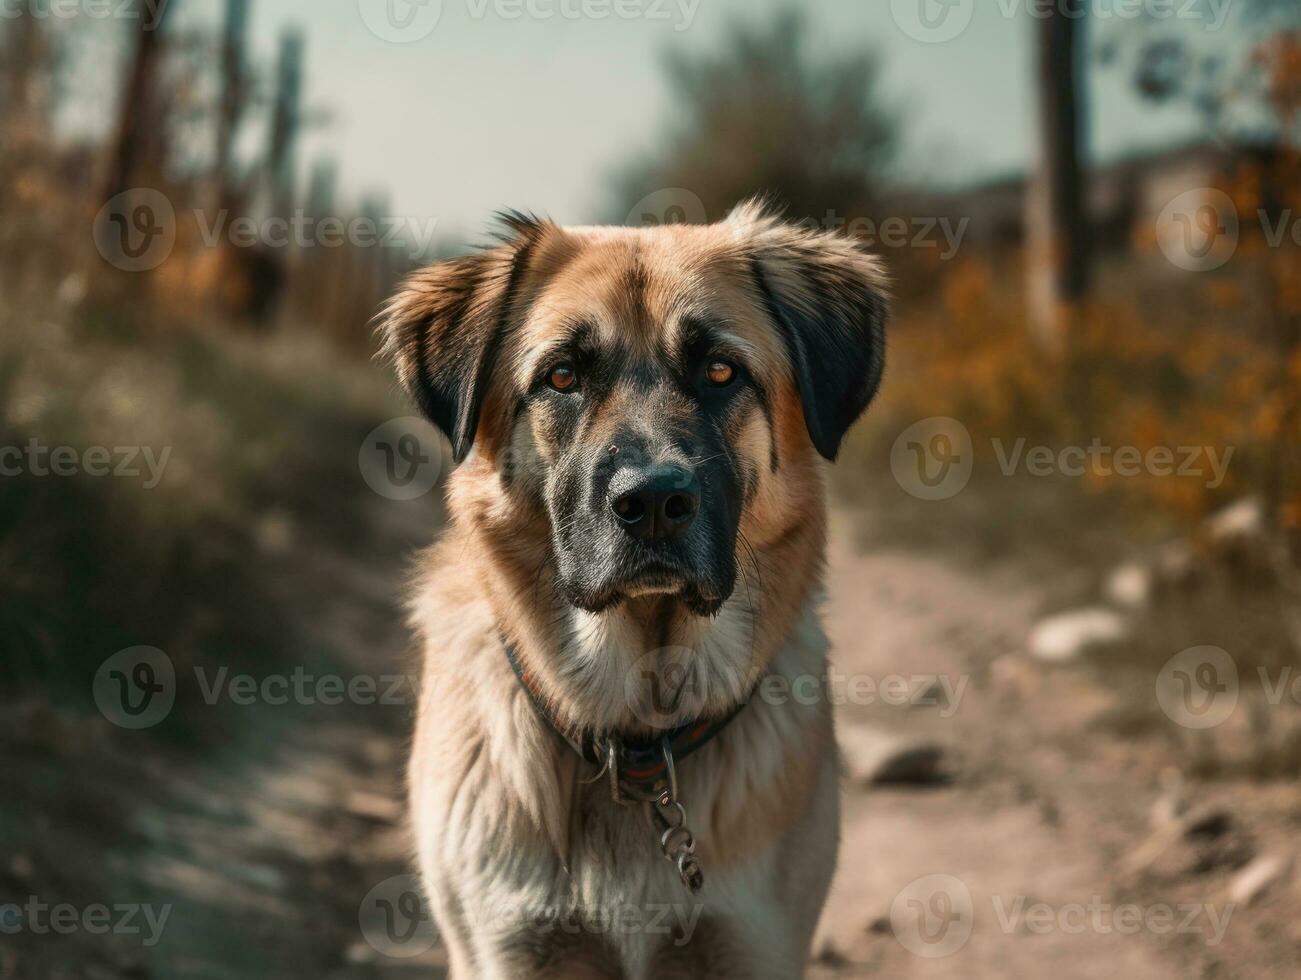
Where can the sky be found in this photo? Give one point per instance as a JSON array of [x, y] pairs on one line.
[[533, 103]]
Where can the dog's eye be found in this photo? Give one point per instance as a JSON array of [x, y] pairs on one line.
[[563, 377], [720, 373]]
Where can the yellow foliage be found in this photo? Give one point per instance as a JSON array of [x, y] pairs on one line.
[[1197, 368]]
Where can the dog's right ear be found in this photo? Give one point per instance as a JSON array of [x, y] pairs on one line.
[[443, 329]]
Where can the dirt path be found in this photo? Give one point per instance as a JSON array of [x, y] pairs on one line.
[[283, 854], [273, 849], [940, 882]]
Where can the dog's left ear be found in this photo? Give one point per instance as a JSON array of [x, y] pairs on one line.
[[443, 329], [829, 300]]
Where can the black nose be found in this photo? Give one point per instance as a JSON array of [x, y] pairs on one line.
[[657, 503]]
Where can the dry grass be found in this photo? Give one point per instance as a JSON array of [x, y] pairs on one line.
[[263, 435], [1157, 361]]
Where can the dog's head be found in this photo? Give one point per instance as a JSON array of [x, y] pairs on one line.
[[648, 395]]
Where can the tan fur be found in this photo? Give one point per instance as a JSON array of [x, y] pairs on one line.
[[503, 825]]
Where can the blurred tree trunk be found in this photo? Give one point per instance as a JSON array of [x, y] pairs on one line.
[[133, 138], [23, 49], [285, 120], [269, 266], [1057, 235], [234, 61], [27, 67]]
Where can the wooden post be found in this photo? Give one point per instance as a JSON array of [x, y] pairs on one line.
[[1057, 239]]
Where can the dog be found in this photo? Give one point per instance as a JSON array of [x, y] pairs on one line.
[[613, 772]]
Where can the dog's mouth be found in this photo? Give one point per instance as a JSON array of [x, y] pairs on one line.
[[658, 583], [654, 577]]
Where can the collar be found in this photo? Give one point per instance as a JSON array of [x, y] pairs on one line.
[[636, 766]]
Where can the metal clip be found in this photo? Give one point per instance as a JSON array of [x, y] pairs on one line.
[[675, 839], [667, 815]]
